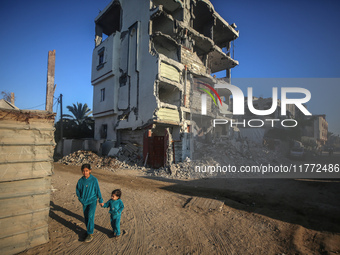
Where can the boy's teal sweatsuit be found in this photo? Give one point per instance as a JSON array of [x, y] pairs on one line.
[[88, 191], [116, 208]]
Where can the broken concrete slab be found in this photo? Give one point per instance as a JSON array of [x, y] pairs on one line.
[[114, 152]]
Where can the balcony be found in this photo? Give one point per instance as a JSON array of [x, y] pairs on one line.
[[218, 60]]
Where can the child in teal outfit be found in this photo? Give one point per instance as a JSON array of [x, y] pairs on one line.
[[116, 207], [88, 192]]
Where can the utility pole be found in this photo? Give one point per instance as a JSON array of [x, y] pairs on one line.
[[61, 124], [50, 87]]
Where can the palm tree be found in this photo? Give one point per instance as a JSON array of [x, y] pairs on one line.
[[80, 124], [80, 113]]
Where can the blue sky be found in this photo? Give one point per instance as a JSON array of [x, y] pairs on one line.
[[285, 39], [278, 39]]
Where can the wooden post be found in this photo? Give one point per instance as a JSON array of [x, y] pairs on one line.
[[12, 98], [50, 81], [61, 125]]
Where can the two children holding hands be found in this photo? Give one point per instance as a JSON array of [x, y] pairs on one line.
[[88, 192]]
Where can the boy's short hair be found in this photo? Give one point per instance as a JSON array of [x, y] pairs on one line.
[[117, 192], [88, 166]]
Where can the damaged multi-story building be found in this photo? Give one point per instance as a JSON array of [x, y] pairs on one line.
[[149, 61]]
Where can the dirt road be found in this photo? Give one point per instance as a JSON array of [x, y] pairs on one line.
[[257, 217]]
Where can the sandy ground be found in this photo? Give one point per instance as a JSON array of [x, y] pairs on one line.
[[258, 216]]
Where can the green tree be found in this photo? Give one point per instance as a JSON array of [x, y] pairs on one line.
[[78, 125], [81, 113]]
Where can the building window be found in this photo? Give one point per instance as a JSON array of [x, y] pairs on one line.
[[103, 131], [102, 95], [101, 58]]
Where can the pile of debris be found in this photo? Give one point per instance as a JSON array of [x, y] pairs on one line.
[[79, 158], [238, 152], [225, 152]]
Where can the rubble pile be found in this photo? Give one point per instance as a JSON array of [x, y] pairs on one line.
[[238, 152], [225, 152], [79, 158]]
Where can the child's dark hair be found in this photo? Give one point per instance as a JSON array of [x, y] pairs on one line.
[[88, 166], [117, 192]]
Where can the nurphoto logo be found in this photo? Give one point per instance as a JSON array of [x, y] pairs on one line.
[[239, 105]]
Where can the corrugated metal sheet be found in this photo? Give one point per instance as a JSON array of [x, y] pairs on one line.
[[26, 163], [165, 114], [170, 72]]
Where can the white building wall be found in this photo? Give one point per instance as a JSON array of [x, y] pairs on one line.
[[106, 77], [111, 47], [110, 122], [140, 65], [126, 52], [110, 101]]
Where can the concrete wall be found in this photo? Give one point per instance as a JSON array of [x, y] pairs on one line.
[[109, 105], [73, 145], [109, 121], [105, 76], [109, 47], [26, 164]]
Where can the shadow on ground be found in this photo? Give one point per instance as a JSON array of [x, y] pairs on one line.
[[313, 204], [81, 232]]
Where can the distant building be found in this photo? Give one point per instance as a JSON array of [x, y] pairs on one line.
[[318, 129], [149, 57], [259, 103]]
